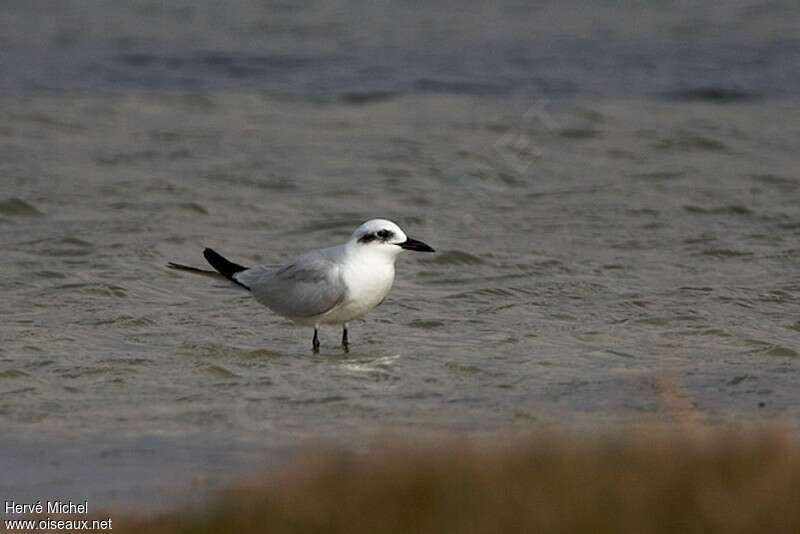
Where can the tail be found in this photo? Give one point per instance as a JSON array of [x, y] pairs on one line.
[[223, 267]]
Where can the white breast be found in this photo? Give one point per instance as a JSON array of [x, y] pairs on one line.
[[368, 279]]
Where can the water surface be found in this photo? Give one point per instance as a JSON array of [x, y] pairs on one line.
[[614, 198]]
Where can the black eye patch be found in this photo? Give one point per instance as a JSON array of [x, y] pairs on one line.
[[382, 235]]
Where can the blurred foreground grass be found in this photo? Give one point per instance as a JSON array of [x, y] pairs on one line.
[[645, 482]]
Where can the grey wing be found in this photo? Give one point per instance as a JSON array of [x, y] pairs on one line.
[[310, 286]]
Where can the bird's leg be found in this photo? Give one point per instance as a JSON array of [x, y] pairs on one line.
[[315, 342], [345, 342]]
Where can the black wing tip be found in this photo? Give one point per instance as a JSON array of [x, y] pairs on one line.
[[209, 253], [224, 266], [181, 267]]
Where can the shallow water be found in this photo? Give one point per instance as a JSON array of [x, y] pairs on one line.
[[616, 208]]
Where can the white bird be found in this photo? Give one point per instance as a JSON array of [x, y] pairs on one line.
[[327, 286]]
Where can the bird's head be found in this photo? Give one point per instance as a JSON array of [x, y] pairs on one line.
[[385, 236]]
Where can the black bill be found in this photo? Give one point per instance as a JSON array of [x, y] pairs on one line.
[[413, 244]]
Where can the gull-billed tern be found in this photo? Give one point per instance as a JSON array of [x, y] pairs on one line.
[[327, 286]]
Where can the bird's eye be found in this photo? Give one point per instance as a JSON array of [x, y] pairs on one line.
[[384, 234]]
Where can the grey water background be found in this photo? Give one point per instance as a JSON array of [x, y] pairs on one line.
[[613, 190]]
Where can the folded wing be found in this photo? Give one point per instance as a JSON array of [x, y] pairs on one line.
[[312, 285]]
